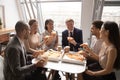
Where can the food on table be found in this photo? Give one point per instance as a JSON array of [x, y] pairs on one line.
[[75, 56], [53, 54]]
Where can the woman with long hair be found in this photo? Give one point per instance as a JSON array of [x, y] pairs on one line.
[[109, 56]]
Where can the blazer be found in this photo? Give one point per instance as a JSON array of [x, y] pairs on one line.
[[77, 35], [15, 67]]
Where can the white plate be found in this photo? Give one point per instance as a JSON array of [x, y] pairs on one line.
[[35, 60]]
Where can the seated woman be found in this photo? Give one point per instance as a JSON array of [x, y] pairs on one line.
[[51, 41], [109, 55], [50, 36], [33, 42], [32, 45]]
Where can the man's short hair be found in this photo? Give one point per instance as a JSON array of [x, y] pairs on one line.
[[68, 20], [98, 24], [20, 26]]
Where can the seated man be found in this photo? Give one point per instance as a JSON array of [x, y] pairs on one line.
[[15, 66], [72, 37], [0, 48], [1, 51], [96, 42], [74, 33], [1, 67]]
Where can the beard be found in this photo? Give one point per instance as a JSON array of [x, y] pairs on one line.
[[26, 36], [35, 32]]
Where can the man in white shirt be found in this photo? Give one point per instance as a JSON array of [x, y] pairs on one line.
[[96, 42], [95, 45]]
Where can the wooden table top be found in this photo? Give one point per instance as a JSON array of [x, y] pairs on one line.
[[6, 30]]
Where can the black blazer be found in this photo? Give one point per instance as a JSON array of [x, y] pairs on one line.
[[15, 67], [77, 35]]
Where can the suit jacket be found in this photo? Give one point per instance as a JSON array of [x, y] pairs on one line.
[[15, 67], [77, 35], [0, 48]]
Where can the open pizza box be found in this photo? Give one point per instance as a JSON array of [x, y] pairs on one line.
[[53, 55], [73, 57]]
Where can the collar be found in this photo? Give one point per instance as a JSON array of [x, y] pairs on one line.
[[48, 32], [71, 31], [21, 42]]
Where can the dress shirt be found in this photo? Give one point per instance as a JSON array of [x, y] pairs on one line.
[[23, 48]]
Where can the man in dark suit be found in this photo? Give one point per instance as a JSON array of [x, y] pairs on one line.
[[15, 67], [76, 34], [75, 41]]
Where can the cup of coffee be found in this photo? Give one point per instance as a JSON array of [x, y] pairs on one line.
[[59, 48], [66, 49]]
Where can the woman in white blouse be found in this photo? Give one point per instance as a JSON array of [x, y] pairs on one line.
[[33, 43]]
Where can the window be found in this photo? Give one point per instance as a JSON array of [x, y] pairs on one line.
[[111, 13], [60, 11]]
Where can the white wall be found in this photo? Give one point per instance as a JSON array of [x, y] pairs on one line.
[[11, 13], [86, 18]]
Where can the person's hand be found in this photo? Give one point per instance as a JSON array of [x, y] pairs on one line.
[[45, 57], [42, 62], [83, 53], [86, 47], [71, 40], [89, 72], [48, 40], [37, 53], [53, 33], [51, 38]]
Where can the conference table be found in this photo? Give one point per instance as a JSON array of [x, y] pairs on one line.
[[66, 67]]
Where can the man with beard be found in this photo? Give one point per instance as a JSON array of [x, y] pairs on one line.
[[15, 63]]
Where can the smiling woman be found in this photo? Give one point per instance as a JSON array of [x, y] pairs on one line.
[[2, 17]]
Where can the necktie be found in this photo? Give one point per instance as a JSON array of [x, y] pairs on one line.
[[71, 45], [71, 35]]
